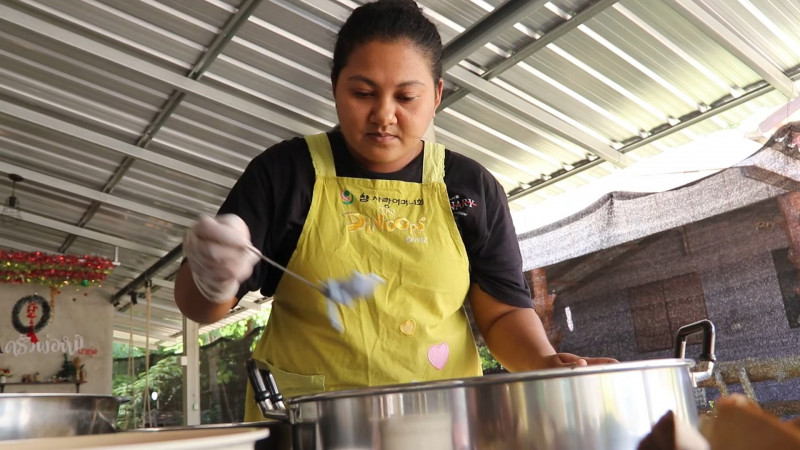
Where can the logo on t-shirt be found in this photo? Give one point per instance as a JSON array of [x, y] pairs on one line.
[[347, 197], [461, 205]]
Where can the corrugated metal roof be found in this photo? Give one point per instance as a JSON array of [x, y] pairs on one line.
[[128, 119]]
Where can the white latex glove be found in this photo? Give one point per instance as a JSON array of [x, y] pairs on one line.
[[216, 248]]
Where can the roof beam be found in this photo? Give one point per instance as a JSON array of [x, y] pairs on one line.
[[253, 305], [160, 282], [165, 260], [154, 71], [94, 235], [484, 30], [77, 189], [233, 24], [123, 337], [51, 123], [153, 321], [253, 300], [157, 336], [512, 103], [163, 307], [163, 283], [733, 43], [529, 49], [5, 243], [321, 13], [761, 88]]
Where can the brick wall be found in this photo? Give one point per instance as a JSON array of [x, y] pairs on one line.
[[731, 254]]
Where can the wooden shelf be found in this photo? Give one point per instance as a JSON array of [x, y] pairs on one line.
[[77, 384]]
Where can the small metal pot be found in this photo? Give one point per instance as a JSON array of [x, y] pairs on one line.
[[27, 416], [600, 407]]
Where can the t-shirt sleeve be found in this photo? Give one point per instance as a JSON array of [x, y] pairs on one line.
[[480, 208], [249, 199], [260, 196]]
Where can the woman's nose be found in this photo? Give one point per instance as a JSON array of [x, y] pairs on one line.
[[384, 112]]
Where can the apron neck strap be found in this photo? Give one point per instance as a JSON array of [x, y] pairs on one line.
[[321, 155], [433, 162]]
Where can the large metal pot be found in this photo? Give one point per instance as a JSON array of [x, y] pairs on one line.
[[26, 416], [599, 407]]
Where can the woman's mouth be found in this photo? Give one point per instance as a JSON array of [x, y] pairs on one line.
[[381, 138]]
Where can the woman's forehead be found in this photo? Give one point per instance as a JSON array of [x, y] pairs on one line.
[[398, 56]]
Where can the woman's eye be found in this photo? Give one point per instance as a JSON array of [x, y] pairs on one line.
[[405, 98], [362, 94]]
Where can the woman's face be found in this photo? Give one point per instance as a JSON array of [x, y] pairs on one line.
[[385, 99]]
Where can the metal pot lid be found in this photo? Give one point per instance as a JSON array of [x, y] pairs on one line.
[[499, 379]]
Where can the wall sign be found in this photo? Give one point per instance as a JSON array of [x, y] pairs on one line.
[[68, 345]]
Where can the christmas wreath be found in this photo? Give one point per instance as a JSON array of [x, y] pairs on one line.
[[31, 303]]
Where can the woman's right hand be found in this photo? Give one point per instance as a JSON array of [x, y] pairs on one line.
[[216, 250], [558, 360]]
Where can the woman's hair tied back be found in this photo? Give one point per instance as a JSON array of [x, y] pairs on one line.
[[388, 20]]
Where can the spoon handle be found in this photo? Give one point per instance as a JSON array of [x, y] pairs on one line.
[[275, 264]]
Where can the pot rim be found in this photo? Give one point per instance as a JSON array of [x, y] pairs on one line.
[[502, 378], [55, 395]]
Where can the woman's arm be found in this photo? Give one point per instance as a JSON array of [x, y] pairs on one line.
[[279, 179], [192, 304], [217, 262], [516, 337]]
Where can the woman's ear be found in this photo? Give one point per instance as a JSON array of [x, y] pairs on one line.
[[438, 95]]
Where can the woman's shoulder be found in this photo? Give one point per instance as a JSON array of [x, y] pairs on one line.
[[461, 170], [454, 158], [281, 167], [294, 149]]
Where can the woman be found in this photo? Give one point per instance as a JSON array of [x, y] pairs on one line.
[[374, 198]]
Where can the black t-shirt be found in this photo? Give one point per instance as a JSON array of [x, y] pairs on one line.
[[273, 197]]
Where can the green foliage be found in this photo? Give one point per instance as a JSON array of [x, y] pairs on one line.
[[174, 349], [165, 374], [237, 330], [164, 378], [121, 351], [487, 360]]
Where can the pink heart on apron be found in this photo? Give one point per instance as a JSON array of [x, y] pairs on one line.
[[438, 355]]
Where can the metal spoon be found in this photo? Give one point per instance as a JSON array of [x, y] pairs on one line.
[[342, 291]]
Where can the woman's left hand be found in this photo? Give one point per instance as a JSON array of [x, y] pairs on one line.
[[517, 338], [569, 360]]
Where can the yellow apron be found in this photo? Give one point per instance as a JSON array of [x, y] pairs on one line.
[[415, 329]]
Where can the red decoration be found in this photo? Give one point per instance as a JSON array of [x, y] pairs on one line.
[[31, 314], [53, 270]]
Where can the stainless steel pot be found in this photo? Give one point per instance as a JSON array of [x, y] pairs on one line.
[[25, 416], [597, 407]]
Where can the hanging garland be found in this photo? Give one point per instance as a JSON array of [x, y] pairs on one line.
[[31, 303], [53, 270]]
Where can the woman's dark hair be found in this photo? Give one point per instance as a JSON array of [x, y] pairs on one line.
[[387, 20]]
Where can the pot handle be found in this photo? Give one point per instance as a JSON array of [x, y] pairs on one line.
[[267, 396], [709, 335]]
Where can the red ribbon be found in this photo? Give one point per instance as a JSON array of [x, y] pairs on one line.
[[32, 335]]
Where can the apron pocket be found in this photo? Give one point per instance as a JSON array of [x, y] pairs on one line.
[[294, 384]]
